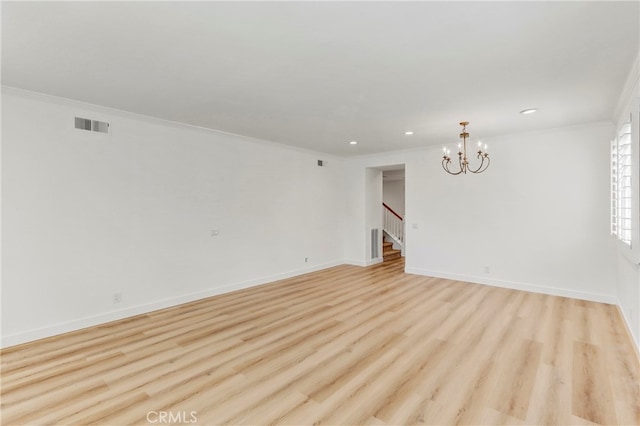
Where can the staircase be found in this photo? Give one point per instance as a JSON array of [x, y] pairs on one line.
[[393, 227], [388, 252]]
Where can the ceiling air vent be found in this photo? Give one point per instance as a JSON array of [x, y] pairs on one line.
[[92, 125]]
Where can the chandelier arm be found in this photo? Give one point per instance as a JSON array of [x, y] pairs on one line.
[[488, 162], [445, 163], [482, 167]]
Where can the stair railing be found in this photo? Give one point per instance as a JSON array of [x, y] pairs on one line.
[[393, 224]]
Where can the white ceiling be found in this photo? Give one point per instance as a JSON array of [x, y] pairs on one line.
[[320, 74]]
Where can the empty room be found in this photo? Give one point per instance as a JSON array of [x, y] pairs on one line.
[[341, 213]]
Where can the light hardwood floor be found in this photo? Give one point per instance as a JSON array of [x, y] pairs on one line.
[[347, 345]]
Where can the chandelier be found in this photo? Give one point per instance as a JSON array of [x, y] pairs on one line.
[[483, 156]]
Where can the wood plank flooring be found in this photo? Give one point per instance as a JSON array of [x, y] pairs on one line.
[[347, 345]]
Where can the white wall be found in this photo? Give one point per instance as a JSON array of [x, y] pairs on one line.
[[88, 215], [393, 195], [363, 212], [354, 216], [373, 191], [628, 287], [628, 283], [538, 217]]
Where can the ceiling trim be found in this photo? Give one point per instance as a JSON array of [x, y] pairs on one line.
[[628, 91], [100, 109]]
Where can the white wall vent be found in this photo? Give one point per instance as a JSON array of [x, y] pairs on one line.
[[91, 125], [375, 235]]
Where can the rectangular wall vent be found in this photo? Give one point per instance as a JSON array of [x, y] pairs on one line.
[[374, 243], [91, 125], [83, 123]]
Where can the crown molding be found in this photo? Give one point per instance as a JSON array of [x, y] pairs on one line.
[[109, 111], [630, 86]]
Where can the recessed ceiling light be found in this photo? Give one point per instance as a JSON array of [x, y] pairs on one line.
[[353, 143], [528, 111], [408, 133]]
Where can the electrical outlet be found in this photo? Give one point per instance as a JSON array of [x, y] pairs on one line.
[[487, 270], [306, 259], [117, 297]]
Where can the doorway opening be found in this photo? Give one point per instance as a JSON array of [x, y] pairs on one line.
[[393, 212], [384, 213]]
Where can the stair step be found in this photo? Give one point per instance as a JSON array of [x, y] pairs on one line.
[[388, 252], [391, 254]]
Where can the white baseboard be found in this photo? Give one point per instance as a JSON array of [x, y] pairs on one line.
[[60, 328], [364, 263], [78, 324], [534, 288], [635, 340]]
